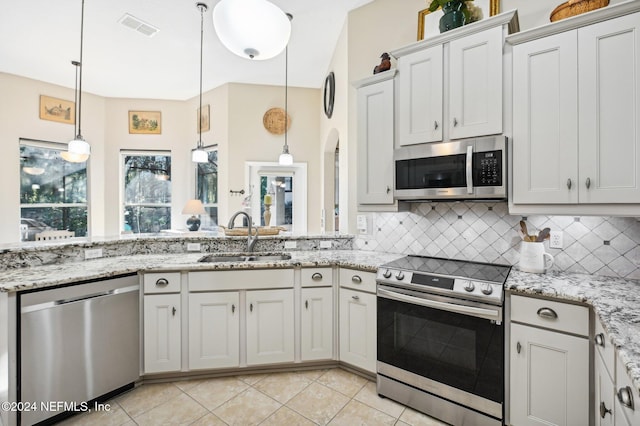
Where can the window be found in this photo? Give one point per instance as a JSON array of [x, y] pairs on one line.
[[53, 192], [207, 189], [146, 191]]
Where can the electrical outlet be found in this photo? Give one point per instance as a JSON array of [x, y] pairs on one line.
[[555, 239], [290, 244], [193, 246], [362, 224], [92, 253], [325, 244]]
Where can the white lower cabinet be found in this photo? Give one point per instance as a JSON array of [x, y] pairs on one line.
[[358, 329], [317, 323], [604, 393], [627, 399], [214, 330], [270, 328], [162, 333], [549, 377]]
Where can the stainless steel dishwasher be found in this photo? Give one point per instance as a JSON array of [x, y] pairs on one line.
[[77, 343]]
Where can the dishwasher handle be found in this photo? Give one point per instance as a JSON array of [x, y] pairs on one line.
[[60, 302]]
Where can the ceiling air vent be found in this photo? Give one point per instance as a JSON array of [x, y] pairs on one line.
[[138, 25]]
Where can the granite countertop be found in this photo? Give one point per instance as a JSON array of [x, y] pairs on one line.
[[49, 275], [616, 302]]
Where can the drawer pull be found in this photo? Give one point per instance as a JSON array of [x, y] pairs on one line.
[[162, 282], [604, 410], [625, 396], [356, 279], [317, 276], [547, 313], [355, 297], [599, 339], [518, 347]]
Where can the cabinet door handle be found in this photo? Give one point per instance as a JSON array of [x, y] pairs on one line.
[[599, 339], [233, 309], [356, 279], [355, 297], [435, 125], [547, 313], [455, 122], [569, 183], [518, 347], [162, 282], [173, 311], [625, 396], [604, 410], [588, 183], [317, 276], [306, 304], [250, 307], [388, 190]]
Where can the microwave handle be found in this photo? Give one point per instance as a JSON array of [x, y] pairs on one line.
[[469, 169]]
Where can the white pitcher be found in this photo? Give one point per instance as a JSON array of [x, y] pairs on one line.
[[533, 258]]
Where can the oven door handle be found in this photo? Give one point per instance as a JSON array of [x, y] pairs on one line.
[[490, 314]]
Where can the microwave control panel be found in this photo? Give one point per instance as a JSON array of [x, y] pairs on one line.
[[487, 167]]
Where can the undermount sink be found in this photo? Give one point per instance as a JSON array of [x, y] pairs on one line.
[[244, 258]]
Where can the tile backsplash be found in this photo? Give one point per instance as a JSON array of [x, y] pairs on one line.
[[486, 232]]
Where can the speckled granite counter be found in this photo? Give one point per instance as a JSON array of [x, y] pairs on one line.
[[616, 303], [50, 275]]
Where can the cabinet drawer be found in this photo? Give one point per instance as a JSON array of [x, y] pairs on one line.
[[234, 280], [605, 348], [162, 282], [316, 277], [358, 280], [549, 314]]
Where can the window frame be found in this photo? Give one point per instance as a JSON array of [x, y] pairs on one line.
[[56, 146], [208, 149], [121, 189]]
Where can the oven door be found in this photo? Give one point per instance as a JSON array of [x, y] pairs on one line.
[[448, 347]]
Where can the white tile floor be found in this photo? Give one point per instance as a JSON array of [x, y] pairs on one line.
[[317, 397]]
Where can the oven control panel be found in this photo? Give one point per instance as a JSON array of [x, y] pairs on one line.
[[483, 289]]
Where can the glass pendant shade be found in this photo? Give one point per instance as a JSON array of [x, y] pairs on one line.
[[254, 29], [285, 158], [199, 155], [78, 151]]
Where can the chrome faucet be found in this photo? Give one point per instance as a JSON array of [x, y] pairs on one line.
[[251, 239]]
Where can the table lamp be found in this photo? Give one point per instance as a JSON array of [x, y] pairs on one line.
[[194, 208]]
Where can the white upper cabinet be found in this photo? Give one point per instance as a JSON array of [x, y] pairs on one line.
[[576, 113], [420, 96], [475, 84], [375, 140], [450, 86]]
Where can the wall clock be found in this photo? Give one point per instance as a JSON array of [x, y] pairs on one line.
[[329, 94], [273, 120]]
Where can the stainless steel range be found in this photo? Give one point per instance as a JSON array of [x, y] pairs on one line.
[[440, 338]]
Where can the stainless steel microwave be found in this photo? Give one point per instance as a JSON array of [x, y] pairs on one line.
[[467, 169]]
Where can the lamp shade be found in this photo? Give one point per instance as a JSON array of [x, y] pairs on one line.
[[199, 156], [194, 207], [285, 159], [254, 29]]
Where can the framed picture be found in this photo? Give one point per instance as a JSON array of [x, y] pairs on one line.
[[60, 110], [145, 122], [204, 118], [428, 23]]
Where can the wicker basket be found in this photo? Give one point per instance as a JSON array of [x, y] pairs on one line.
[[243, 232], [576, 7]]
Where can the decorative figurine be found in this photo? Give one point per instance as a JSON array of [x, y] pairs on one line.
[[385, 64]]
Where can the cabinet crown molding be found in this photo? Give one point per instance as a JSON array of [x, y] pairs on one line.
[[595, 16], [509, 18], [376, 78]]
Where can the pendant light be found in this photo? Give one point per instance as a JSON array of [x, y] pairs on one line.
[[286, 159], [199, 155], [78, 150], [253, 29]]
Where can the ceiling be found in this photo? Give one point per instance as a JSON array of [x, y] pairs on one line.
[[40, 38]]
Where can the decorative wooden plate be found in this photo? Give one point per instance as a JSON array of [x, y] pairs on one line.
[[243, 232], [273, 120]]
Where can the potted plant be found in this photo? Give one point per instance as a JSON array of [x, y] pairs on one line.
[[456, 13]]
